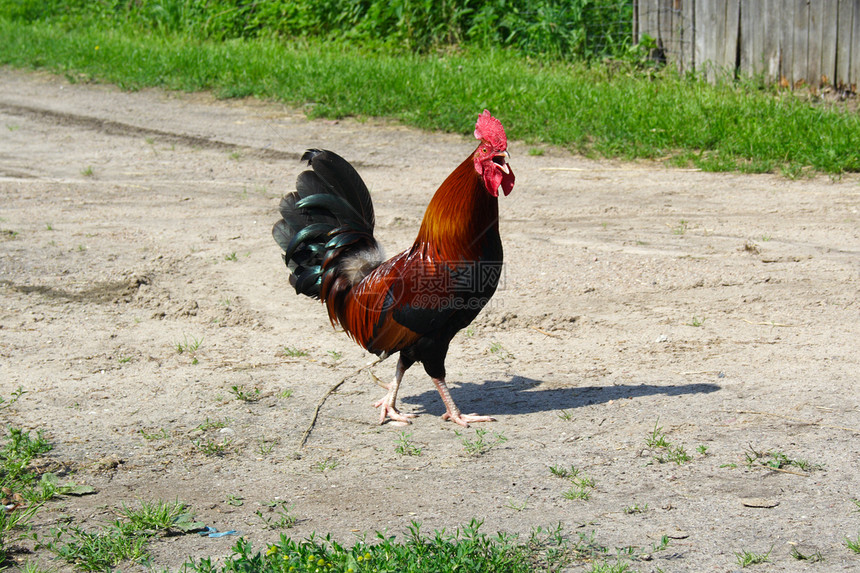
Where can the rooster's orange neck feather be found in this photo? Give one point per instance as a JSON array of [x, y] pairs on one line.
[[459, 216]]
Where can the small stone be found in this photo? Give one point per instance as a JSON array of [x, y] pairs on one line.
[[758, 502]]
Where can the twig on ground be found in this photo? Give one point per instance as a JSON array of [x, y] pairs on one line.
[[330, 391], [769, 323], [542, 331], [799, 420]]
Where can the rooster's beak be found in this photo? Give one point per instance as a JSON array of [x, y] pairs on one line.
[[501, 159]]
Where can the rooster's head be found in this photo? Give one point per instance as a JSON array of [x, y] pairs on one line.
[[491, 157]]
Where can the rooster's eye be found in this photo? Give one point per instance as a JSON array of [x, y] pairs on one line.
[[484, 150]]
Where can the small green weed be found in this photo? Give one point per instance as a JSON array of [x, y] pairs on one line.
[[680, 228], [536, 151], [282, 518], [335, 355], [635, 508], [516, 505], [293, 352], [480, 444], [581, 485], [661, 545], [188, 346], [564, 473], [815, 557], [580, 488], [153, 516], [404, 446], [235, 500], [853, 544], [161, 434], [565, 415], [243, 394], [265, 447], [213, 424], [696, 321], [284, 394], [232, 256], [664, 451], [100, 550], [87, 171], [500, 351], [212, 447], [326, 465], [15, 396], [777, 460], [747, 558]]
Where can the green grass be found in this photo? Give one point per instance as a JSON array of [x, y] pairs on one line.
[[663, 450], [404, 446], [777, 460], [124, 540], [278, 516], [747, 558], [480, 444], [243, 394], [466, 549], [611, 110]]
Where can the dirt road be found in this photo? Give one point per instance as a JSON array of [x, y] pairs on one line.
[[719, 307]]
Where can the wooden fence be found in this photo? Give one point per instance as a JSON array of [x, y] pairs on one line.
[[794, 42]]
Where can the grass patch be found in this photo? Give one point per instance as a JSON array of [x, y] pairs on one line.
[[777, 460], [404, 446], [243, 394], [748, 558], [607, 109], [480, 444], [663, 450], [123, 540], [466, 549]]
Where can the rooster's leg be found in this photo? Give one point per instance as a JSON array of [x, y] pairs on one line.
[[453, 412], [386, 404]]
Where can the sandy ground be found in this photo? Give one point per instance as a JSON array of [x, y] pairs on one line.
[[721, 307]]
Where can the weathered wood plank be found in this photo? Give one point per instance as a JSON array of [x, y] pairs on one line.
[[800, 65], [813, 57], [664, 22], [854, 74], [686, 33], [829, 19], [773, 29], [843, 43], [730, 38]]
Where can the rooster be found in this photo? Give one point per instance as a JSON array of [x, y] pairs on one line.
[[415, 302]]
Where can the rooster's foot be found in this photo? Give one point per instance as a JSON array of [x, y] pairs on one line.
[[389, 411], [466, 419]]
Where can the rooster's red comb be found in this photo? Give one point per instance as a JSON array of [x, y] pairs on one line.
[[490, 129]]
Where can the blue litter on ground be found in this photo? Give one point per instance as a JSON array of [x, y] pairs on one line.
[[212, 532]]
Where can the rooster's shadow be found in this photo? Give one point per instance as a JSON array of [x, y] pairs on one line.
[[519, 396]]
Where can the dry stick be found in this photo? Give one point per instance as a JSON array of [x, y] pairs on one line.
[[768, 323], [809, 422], [330, 391], [762, 467], [542, 331]]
